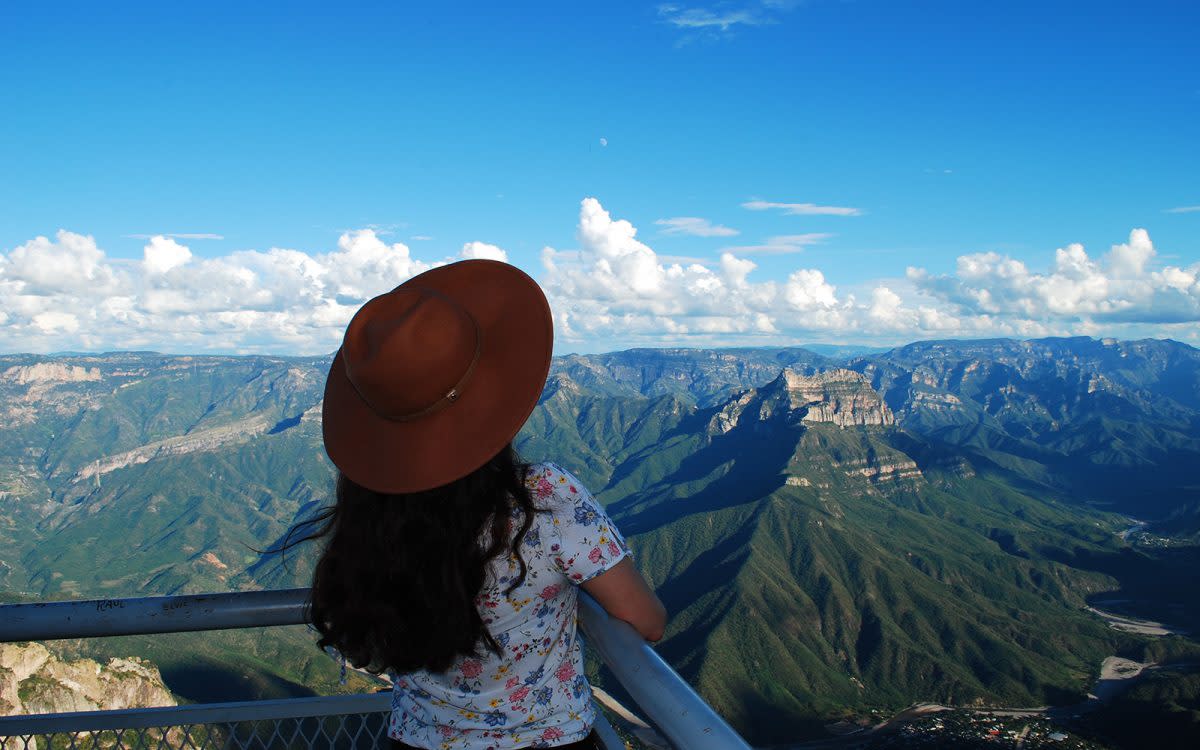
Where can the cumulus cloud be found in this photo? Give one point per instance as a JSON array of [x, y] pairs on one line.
[[162, 254], [802, 209], [71, 264], [52, 322], [483, 250], [66, 293], [614, 285], [695, 226], [616, 288], [807, 290], [1121, 287], [735, 270], [611, 291]]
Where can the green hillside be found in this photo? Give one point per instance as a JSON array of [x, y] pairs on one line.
[[802, 583], [928, 524]]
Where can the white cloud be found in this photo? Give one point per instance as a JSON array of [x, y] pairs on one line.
[[694, 226], [735, 270], [53, 322], [483, 250], [885, 304], [807, 290], [702, 18], [617, 290], [604, 142], [1183, 210], [1121, 287], [163, 254], [362, 260], [802, 209], [67, 294], [617, 287], [621, 260], [612, 291], [71, 264], [782, 245], [724, 16]]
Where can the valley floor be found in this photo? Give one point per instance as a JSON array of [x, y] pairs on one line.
[[934, 725], [1128, 624]]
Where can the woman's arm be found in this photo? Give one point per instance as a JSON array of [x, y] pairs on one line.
[[624, 594]]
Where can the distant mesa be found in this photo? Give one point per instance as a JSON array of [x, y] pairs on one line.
[[50, 372], [841, 397]]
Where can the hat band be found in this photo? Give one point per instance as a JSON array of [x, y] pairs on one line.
[[450, 397]]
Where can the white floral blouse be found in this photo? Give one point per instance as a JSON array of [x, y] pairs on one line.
[[534, 693]]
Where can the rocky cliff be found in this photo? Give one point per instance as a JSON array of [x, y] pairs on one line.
[[841, 397], [200, 440], [34, 681], [50, 372]]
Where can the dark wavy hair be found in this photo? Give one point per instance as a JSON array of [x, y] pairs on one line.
[[395, 586]]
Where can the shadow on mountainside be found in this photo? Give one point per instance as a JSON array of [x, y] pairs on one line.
[[1156, 584], [709, 571], [735, 468], [209, 681]]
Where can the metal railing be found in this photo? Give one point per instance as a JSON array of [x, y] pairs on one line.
[[669, 703], [337, 721]]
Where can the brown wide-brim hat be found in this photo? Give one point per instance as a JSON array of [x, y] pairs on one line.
[[436, 376]]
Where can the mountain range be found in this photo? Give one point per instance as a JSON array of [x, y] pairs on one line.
[[832, 534]]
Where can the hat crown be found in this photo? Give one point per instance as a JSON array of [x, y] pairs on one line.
[[409, 352], [436, 376]]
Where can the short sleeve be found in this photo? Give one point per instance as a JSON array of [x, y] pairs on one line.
[[584, 541]]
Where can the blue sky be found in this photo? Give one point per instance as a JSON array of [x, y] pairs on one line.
[[922, 149]]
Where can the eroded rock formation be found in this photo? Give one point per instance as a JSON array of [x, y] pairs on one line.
[[841, 397], [35, 681]]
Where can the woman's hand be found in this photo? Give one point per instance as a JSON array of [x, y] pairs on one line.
[[624, 594]]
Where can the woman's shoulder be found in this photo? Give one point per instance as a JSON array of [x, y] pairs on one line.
[[538, 475], [553, 487], [582, 539]]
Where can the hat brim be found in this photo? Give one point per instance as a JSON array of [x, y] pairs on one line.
[[517, 339]]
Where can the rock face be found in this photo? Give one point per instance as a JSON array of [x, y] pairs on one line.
[[34, 681], [200, 440], [876, 471], [50, 372], [841, 397]]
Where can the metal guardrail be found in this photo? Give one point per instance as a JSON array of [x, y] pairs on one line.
[[94, 618], [671, 705], [343, 721]]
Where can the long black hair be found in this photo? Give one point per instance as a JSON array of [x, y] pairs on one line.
[[396, 584]]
